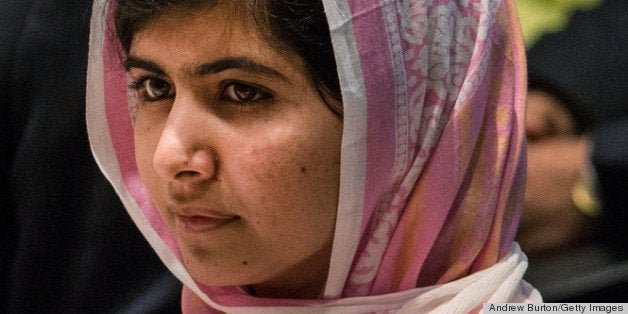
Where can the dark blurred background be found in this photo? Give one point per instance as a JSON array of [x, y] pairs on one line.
[[68, 245], [574, 228]]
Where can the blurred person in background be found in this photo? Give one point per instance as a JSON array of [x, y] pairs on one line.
[[68, 244], [574, 227]]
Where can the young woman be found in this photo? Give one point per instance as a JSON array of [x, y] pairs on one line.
[[351, 156]]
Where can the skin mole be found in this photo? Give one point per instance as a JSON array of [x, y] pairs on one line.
[[303, 169]]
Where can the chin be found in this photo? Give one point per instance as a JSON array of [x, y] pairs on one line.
[[213, 270]]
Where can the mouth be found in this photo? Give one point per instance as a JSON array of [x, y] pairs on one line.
[[202, 223]]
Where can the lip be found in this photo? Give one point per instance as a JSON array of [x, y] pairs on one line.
[[200, 224], [201, 221]]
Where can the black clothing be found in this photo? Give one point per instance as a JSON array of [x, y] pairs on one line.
[[68, 244]]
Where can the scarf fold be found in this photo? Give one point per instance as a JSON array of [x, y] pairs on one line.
[[432, 162]]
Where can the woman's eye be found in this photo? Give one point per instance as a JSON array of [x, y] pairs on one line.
[[243, 93], [156, 89]]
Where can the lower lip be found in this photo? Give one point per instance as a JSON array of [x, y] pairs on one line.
[[199, 224]]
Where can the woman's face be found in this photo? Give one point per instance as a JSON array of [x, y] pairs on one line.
[[238, 151]]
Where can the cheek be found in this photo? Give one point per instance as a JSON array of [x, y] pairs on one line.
[[145, 142], [291, 180]]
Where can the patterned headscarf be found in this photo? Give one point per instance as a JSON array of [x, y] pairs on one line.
[[432, 164]]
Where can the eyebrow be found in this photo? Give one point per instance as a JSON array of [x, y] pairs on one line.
[[135, 62], [239, 63]]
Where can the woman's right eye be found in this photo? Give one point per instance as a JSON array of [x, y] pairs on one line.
[[154, 89]]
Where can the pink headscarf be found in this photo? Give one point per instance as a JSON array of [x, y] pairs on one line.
[[432, 165]]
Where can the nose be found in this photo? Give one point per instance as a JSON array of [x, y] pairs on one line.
[[184, 153]]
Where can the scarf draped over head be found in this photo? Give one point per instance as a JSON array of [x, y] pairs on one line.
[[432, 161]]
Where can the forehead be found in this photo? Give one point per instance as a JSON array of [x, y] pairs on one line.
[[221, 30], [197, 25]]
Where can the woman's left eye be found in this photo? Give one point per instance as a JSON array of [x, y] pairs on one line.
[[244, 93]]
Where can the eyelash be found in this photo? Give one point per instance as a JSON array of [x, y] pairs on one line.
[[262, 94], [139, 86], [227, 87]]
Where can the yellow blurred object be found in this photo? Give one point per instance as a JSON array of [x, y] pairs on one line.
[[585, 198], [539, 17]]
